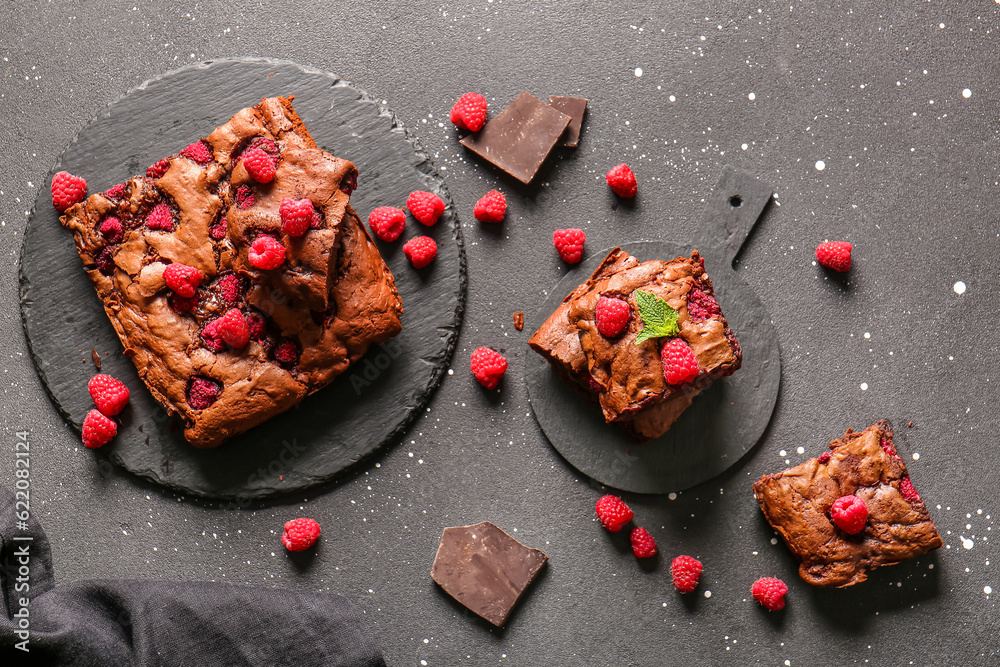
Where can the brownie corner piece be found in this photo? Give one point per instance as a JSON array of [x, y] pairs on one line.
[[797, 503]]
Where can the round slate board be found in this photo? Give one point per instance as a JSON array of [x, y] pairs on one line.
[[368, 407], [724, 421]]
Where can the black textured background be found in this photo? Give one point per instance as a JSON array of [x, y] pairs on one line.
[[913, 184]]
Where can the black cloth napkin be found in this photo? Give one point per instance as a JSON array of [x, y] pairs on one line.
[[105, 623]]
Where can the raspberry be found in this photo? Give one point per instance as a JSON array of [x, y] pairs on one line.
[[491, 207], [469, 112], [232, 327], [257, 326], [287, 353], [612, 315], [115, 191], [110, 395], [230, 288], [849, 513], [349, 184], [679, 363], [106, 261], [702, 306], [259, 165], [296, 216], [569, 243], [198, 152], [245, 197], [67, 190], [823, 458], [300, 534], [266, 253], [770, 592], [643, 544], [622, 180], [182, 304], [907, 490], [219, 229], [421, 251], [488, 366], [159, 169], [426, 207], [182, 279], [613, 512], [111, 229], [202, 392], [887, 446], [387, 222], [594, 385], [161, 218], [317, 221], [685, 571], [212, 337], [98, 429], [835, 255]]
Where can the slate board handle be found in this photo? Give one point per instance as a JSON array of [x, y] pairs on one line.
[[733, 208]]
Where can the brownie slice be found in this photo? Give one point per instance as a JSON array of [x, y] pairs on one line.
[[301, 170], [797, 504], [626, 378], [308, 319]]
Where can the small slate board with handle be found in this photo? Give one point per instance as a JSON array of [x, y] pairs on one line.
[[727, 419]]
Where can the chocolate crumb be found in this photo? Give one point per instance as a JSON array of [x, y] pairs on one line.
[[519, 321], [96, 357], [909, 425]]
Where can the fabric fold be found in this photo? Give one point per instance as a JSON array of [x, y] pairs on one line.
[[111, 623]]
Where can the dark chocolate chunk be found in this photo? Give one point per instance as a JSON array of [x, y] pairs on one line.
[[485, 569], [574, 107], [519, 321], [520, 137], [96, 358]]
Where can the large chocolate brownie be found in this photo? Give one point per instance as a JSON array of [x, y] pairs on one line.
[[797, 504], [308, 319], [627, 378]]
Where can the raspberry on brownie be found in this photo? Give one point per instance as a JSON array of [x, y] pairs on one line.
[[799, 501], [637, 382], [213, 357]]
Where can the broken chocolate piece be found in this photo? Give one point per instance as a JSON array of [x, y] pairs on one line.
[[485, 569], [520, 137], [574, 107], [519, 321], [96, 358]]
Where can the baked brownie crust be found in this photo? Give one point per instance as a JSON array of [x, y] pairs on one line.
[[310, 258], [627, 378], [797, 504], [309, 319]]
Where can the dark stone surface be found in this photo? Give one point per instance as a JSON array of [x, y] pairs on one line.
[[368, 407], [725, 420], [916, 194]]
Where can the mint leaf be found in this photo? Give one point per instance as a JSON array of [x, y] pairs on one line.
[[658, 318]]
